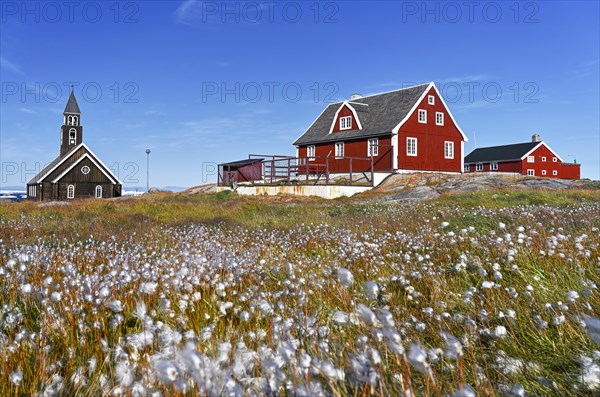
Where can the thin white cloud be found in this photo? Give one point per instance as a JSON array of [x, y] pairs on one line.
[[187, 11], [10, 66], [26, 110], [470, 78]]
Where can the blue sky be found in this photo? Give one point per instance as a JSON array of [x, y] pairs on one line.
[[206, 82]]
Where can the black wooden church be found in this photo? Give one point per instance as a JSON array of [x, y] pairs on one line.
[[77, 172]]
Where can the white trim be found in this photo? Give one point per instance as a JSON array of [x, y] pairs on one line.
[[96, 191], [430, 100], [554, 172], [532, 172], [412, 110], [335, 152], [310, 158], [395, 151], [531, 159], [452, 152], [345, 123], [544, 159], [436, 118], [478, 166], [71, 188], [416, 148], [373, 148], [547, 147], [79, 160], [311, 124], [495, 168], [335, 117], [462, 155], [543, 172], [73, 151], [419, 116]]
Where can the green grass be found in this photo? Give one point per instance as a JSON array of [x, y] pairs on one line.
[[143, 220]]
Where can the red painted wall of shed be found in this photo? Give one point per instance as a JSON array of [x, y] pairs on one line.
[[430, 139], [345, 111], [355, 148], [565, 171]]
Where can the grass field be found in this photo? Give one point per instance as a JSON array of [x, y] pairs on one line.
[[488, 293]]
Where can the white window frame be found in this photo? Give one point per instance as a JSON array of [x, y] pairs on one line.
[[448, 154], [373, 147], [346, 123], [555, 172], [543, 172], [71, 191], [530, 172], [431, 100], [98, 190], [422, 116], [466, 168], [543, 159], [494, 166], [310, 152], [479, 167], [411, 146], [554, 160], [339, 149], [439, 118], [531, 159]]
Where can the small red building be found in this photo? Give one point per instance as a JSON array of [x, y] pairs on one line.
[[248, 170], [533, 158], [406, 129]]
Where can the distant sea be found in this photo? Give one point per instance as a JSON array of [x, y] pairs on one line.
[[12, 193]]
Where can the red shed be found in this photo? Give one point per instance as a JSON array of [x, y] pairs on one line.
[[533, 158], [241, 171], [406, 129]]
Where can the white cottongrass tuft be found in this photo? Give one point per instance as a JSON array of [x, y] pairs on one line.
[[166, 371], [417, 356], [16, 378], [592, 327], [453, 347], [345, 277], [371, 290], [366, 315]]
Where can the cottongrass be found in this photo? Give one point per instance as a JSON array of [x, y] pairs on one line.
[[214, 309]]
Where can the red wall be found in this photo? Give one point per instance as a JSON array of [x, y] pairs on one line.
[[564, 170], [345, 111], [430, 140], [355, 148], [511, 166]]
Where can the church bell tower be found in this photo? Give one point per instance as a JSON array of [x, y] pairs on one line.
[[71, 133]]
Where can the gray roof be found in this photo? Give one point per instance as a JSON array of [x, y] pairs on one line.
[[72, 106], [500, 153], [382, 113]]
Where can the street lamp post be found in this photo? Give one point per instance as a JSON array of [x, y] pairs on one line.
[[147, 170]]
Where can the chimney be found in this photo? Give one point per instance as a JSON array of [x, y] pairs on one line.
[[355, 96], [536, 138]]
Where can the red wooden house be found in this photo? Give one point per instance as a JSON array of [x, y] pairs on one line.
[[533, 158], [406, 129]]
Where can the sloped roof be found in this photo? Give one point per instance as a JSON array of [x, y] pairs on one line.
[[47, 169], [72, 106], [241, 163], [61, 159], [383, 113], [500, 153]]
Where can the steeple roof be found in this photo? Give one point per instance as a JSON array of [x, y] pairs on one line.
[[72, 106]]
